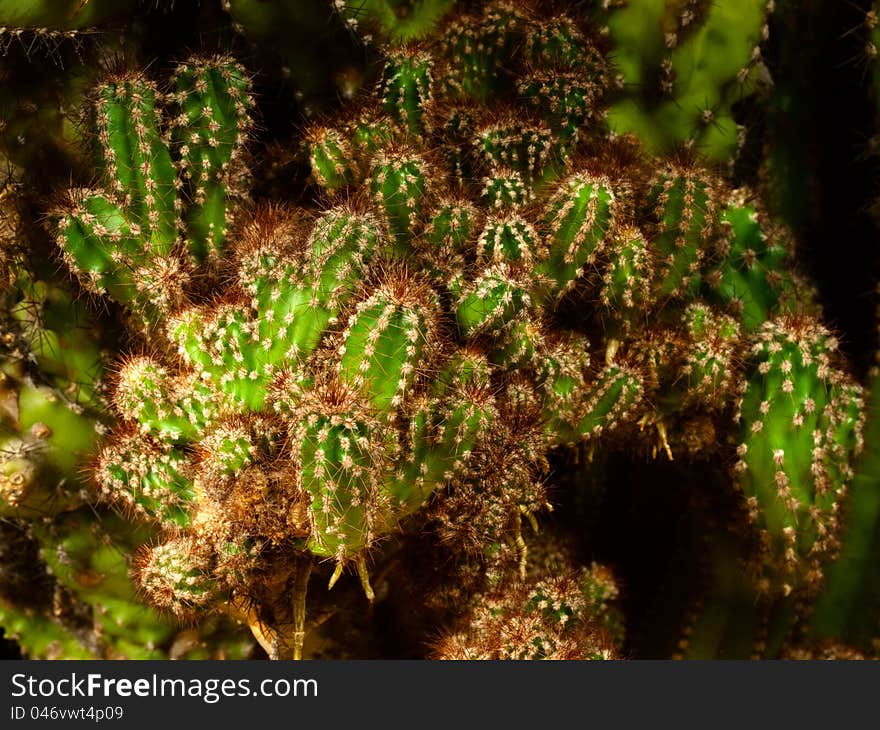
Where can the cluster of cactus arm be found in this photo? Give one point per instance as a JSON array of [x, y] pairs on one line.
[[496, 270], [65, 585], [315, 377]]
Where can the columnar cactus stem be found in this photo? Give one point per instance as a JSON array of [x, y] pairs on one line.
[[388, 341], [686, 213], [580, 215], [173, 408], [399, 184], [148, 477], [210, 126], [524, 146], [801, 422], [846, 608], [476, 47], [341, 452], [626, 290], [406, 87], [330, 156], [751, 280], [610, 399], [493, 302]]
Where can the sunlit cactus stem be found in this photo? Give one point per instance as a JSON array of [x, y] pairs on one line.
[[124, 238], [406, 88], [388, 341], [210, 126], [801, 427], [579, 215], [685, 207]]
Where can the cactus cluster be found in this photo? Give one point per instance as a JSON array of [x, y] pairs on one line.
[[559, 617], [66, 589], [511, 252], [367, 356], [161, 177]]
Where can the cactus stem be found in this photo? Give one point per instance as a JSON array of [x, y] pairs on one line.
[[364, 575]]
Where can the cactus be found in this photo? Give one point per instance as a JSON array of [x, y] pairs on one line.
[[846, 607], [684, 66], [338, 366], [125, 238], [332, 366], [502, 269], [563, 616], [802, 425]]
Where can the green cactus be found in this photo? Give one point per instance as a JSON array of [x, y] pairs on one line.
[[442, 437], [475, 48], [124, 238], [686, 214], [209, 128], [846, 608], [580, 214], [625, 289], [802, 424], [684, 65], [492, 302], [330, 158], [485, 277], [336, 365], [407, 82], [399, 183], [753, 280], [388, 341]]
